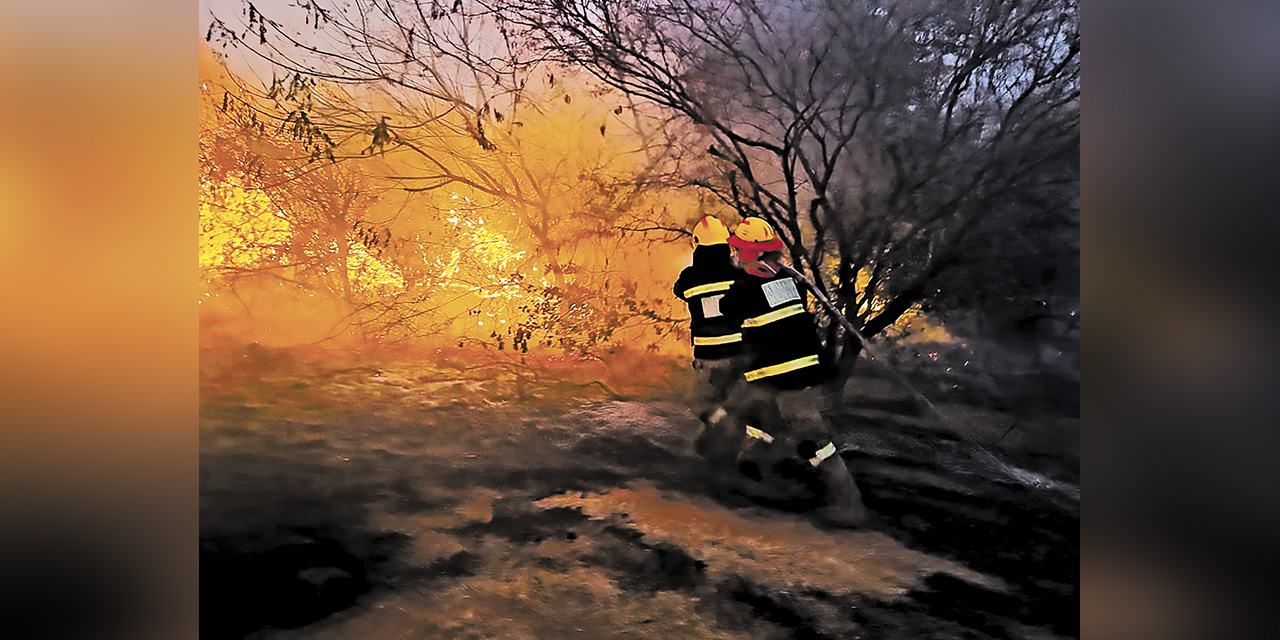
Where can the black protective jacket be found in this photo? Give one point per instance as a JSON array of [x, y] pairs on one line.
[[777, 331], [702, 285]]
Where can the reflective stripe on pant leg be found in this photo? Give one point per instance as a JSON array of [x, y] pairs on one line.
[[823, 454], [758, 434]]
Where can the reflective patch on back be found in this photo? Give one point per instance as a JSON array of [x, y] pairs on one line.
[[781, 291], [711, 306]]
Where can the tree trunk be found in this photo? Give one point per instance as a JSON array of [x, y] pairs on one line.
[[851, 348], [842, 368]]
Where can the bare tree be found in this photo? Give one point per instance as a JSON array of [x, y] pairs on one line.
[[277, 222], [439, 100], [891, 143]]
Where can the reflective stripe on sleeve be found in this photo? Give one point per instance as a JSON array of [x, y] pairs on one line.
[[823, 454], [710, 287], [758, 434], [699, 341], [773, 370], [773, 316]]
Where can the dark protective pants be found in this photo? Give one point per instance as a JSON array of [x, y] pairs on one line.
[[713, 380], [793, 418]]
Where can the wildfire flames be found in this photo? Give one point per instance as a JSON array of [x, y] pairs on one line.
[[304, 249]]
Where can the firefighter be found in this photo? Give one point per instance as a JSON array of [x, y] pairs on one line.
[[780, 383], [716, 337]]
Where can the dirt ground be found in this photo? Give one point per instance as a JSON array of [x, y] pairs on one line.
[[433, 499]]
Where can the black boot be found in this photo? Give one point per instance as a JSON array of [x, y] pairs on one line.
[[844, 506]]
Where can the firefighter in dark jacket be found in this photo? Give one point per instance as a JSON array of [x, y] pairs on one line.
[[716, 337], [780, 381]]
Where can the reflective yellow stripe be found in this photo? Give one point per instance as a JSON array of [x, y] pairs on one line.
[[772, 316], [773, 370], [758, 434], [823, 454], [699, 341], [708, 288]]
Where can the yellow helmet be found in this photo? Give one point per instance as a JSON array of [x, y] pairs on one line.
[[710, 230], [754, 234]]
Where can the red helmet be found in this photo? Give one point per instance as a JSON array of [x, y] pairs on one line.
[[753, 237]]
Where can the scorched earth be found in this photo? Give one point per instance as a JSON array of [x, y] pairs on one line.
[[464, 498]]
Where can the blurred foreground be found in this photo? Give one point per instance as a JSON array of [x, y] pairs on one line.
[[473, 495]]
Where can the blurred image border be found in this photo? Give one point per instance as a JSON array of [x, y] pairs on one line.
[[1178, 396], [99, 489], [98, 264]]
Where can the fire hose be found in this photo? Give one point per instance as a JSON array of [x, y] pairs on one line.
[[866, 345], [995, 462]]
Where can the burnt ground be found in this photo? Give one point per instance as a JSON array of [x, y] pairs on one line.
[[433, 500]]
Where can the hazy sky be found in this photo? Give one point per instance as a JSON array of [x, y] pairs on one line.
[[234, 14]]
